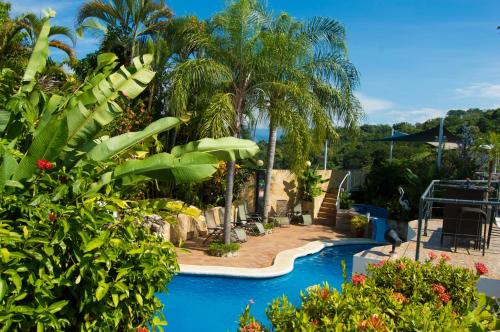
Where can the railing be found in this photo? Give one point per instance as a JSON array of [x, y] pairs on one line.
[[433, 195], [341, 189]]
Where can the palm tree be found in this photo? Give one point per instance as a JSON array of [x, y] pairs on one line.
[[311, 84], [32, 25], [124, 21], [221, 80]]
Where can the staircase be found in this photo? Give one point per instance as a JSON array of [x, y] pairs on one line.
[[328, 211]]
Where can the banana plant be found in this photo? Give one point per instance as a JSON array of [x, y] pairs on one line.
[[66, 129]]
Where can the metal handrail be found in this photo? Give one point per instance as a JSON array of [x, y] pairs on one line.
[[337, 202]]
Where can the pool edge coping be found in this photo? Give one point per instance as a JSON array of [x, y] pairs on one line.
[[283, 263]]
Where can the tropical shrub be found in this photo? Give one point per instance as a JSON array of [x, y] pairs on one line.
[[69, 264], [75, 255], [345, 200], [219, 249], [397, 295], [309, 184], [359, 223]]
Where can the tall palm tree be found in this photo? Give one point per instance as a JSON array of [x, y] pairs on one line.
[[310, 85], [222, 79], [125, 21]]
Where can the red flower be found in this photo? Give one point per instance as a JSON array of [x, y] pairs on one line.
[[432, 255], [252, 327], [141, 329], [374, 323], [52, 216], [314, 322], [43, 164], [401, 266], [481, 269], [358, 279], [400, 298], [445, 298], [445, 257], [324, 293], [379, 264], [438, 289]]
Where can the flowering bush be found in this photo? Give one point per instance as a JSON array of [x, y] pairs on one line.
[[399, 295]]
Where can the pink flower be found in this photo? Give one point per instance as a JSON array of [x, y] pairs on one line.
[[432, 255], [358, 279], [445, 257], [44, 165], [400, 298], [481, 269]]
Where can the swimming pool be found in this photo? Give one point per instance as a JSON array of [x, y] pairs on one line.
[[204, 303]]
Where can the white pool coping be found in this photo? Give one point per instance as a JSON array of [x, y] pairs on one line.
[[283, 262]]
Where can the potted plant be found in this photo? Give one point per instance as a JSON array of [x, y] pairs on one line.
[[310, 187], [358, 225], [220, 249]]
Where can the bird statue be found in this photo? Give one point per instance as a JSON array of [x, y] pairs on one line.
[[405, 205]]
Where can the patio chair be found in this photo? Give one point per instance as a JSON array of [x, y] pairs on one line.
[[237, 234], [214, 230], [299, 216], [281, 215], [256, 226]]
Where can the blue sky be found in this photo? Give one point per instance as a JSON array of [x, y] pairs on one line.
[[417, 58]]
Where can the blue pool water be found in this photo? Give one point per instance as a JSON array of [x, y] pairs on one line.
[[213, 304]]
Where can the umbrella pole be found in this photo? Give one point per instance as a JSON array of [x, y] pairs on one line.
[[440, 146]]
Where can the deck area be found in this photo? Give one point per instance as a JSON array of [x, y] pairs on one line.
[[260, 251], [465, 257]]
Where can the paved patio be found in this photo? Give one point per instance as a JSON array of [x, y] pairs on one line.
[[260, 251], [464, 256]]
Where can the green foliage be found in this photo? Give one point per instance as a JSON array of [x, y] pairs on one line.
[[309, 184], [345, 201], [219, 249], [68, 264], [359, 223], [397, 295]]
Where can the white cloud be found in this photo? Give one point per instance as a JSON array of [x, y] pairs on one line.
[[373, 105], [416, 115], [480, 90]]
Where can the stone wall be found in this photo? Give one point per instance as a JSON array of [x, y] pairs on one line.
[[284, 186]]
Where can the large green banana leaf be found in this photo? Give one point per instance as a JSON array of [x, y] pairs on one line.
[[4, 120], [191, 167], [85, 123], [47, 145], [7, 168], [226, 148], [117, 144], [39, 56]]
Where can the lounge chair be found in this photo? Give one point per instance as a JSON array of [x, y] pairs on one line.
[[301, 217], [214, 230], [237, 234], [256, 226], [282, 216]]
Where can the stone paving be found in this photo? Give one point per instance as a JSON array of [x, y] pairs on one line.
[[260, 251], [464, 256]]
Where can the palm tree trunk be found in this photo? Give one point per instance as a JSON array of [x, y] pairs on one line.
[[229, 201], [271, 150], [239, 98]]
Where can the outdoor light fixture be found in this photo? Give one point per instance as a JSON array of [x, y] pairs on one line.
[[393, 238], [308, 163], [260, 163]]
